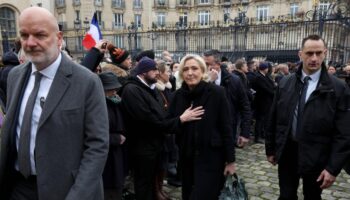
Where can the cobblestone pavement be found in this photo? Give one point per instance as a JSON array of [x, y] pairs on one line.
[[261, 178]]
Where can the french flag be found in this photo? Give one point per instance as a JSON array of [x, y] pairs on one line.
[[94, 35]]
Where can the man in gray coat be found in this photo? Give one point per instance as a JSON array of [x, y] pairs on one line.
[[54, 140]]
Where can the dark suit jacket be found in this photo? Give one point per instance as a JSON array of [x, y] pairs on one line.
[[238, 102], [264, 88], [72, 137]]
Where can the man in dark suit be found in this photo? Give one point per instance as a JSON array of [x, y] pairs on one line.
[[54, 140], [264, 87], [309, 131]]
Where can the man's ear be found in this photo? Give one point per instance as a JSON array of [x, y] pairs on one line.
[[299, 54]]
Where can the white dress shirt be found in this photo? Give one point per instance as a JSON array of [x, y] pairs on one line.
[[48, 75], [315, 77]]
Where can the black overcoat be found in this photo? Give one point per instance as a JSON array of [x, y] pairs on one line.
[[113, 174], [205, 145]]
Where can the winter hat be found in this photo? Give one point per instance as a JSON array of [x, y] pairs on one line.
[[146, 64], [118, 55], [147, 53], [109, 81], [263, 65]]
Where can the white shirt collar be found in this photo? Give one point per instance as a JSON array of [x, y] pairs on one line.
[[218, 80], [50, 71], [150, 86], [314, 77]]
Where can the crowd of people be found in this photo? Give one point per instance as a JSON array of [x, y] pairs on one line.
[[77, 130]]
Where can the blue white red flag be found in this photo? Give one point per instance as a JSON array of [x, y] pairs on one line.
[[94, 35]]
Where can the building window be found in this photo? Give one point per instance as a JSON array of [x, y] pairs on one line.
[[99, 17], [119, 41], [323, 7], [138, 21], [98, 2], [161, 19], [204, 17], [8, 22], [183, 20], [118, 20], [204, 1], [60, 3], [137, 4], [226, 15], [293, 9], [161, 2], [262, 13]]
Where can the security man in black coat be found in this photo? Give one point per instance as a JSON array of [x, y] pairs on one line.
[[309, 129], [237, 98]]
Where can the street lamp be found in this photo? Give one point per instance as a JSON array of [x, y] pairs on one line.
[[77, 27], [133, 33], [181, 27], [153, 36], [86, 24]]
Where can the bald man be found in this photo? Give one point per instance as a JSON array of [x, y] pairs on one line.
[[54, 140]]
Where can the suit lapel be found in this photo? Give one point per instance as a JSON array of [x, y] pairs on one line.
[[59, 86], [15, 99]]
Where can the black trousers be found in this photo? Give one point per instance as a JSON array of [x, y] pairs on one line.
[[260, 125], [289, 176], [145, 168], [24, 188]]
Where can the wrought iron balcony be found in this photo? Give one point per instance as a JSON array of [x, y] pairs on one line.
[[161, 3], [118, 4]]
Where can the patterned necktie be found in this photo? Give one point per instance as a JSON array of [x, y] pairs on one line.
[[24, 141]]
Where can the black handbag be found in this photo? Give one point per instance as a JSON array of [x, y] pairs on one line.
[[234, 189]]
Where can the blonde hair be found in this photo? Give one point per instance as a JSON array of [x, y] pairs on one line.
[[162, 66], [200, 62]]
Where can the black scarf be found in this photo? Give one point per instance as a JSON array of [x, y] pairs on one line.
[[190, 133]]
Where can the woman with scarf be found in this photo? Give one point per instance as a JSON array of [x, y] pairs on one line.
[[206, 146], [113, 174]]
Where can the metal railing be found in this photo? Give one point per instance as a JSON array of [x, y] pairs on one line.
[[278, 42]]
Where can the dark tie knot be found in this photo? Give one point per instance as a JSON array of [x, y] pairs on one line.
[[306, 79], [38, 76]]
